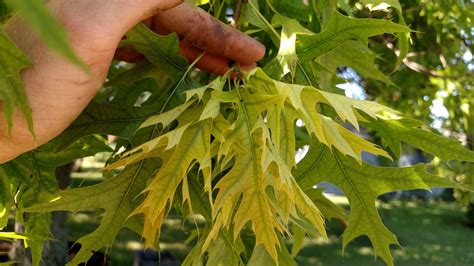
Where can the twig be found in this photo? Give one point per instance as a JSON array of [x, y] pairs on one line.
[[424, 70], [237, 12]]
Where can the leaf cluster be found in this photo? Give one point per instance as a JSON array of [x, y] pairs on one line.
[[224, 148]]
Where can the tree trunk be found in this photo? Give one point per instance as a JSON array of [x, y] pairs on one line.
[[55, 251]]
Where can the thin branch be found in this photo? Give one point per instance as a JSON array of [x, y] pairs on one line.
[[237, 12], [429, 72]]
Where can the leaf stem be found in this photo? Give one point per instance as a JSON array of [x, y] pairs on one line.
[[181, 80], [264, 20]]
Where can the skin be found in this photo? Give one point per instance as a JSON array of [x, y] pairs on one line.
[[58, 91]]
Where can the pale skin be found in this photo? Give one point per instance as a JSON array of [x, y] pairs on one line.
[[58, 91]]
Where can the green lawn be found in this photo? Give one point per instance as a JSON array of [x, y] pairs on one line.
[[430, 233]]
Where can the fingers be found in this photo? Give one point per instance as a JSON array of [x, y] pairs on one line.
[[216, 64], [128, 54], [200, 32], [208, 62], [207, 33], [137, 10]]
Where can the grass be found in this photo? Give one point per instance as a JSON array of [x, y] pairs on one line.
[[430, 234]]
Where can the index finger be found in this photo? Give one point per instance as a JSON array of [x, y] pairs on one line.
[[209, 34]]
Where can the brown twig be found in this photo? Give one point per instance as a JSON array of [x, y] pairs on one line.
[[237, 12], [429, 72]]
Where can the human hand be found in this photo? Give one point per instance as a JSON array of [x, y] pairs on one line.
[[58, 90]]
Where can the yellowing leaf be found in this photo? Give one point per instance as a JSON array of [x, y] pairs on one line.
[[12, 235], [248, 177], [304, 100], [193, 147], [216, 84], [309, 210], [286, 56], [164, 119]]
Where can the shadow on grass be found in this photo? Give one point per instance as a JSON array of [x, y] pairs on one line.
[[174, 234], [430, 234]]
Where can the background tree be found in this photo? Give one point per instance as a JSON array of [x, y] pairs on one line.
[[434, 83]]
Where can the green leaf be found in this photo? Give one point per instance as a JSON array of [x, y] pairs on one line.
[[119, 202], [261, 257], [129, 87], [251, 14], [362, 184], [293, 9], [298, 240], [403, 38], [403, 45], [161, 51], [199, 199], [396, 131], [341, 28], [324, 10], [344, 5], [194, 256], [117, 120], [5, 12], [116, 196], [36, 170], [356, 55], [7, 192], [328, 208], [12, 92], [118, 114], [36, 13], [37, 224], [224, 251]]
